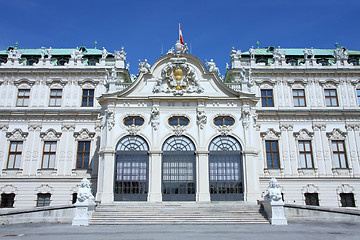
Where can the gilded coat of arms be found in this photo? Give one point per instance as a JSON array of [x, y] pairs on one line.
[[177, 77]]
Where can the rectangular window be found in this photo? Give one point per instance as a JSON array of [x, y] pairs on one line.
[[347, 200], [83, 154], [49, 152], [339, 154], [272, 154], [358, 96], [55, 97], [7, 200], [43, 199], [331, 99], [299, 98], [312, 199], [267, 98], [23, 98], [305, 150], [88, 98], [14, 159]]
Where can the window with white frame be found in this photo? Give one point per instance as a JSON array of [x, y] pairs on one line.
[[299, 98], [49, 152], [14, 157], [55, 97], [339, 154], [23, 98], [331, 98], [305, 151]]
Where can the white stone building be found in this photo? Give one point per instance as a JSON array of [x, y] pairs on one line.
[[178, 131]]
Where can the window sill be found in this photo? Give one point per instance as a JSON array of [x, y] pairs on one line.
[[46, 172], [12, 172], [342, 171], [307, 171], [274, 172], [80, 172]]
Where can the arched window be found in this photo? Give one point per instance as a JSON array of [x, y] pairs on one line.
[[132, 143], [225, 169], [178, 143]]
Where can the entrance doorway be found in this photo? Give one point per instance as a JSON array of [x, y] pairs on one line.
[[131, 169], [226, 169], [178, 169]]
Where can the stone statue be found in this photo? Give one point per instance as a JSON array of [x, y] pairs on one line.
[[252, 52], [132, 78], [76, 54], [120, 55], [104, 53], [170, 51], [212, 67], [311, 53], [155, 117], [306, 53], [227, 66], [84, 195], [144, 67], [49, 53], [341, 54], [279, 54], [14, 54], [42, 53], [201, 119], [274, 192], [185, 48], [250, 78]]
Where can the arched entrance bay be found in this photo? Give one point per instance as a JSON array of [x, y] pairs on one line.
[[178, 169], [226, 169], [131, 169]]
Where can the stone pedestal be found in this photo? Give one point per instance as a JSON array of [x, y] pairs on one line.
[[275, 212], [83, 213]]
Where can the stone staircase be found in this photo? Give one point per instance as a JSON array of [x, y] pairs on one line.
[[178, 213]]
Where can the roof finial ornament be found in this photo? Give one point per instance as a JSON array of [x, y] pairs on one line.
[[257, 44], [336, 45], [95, 44], [16, 45]]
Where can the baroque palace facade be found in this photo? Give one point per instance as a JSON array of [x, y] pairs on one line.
[[178, 131]]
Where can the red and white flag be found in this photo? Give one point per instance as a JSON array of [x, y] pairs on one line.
[[181, 36]]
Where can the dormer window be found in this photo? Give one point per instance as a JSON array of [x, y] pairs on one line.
[[224, 121], [133, 121], [178, 121]]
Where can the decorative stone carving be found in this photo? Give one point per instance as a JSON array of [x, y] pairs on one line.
[[178, 130], [34, 127], [201, 118], [177, 77], [107, 120], [24, 83], [76, 54], [303, 134], [4, 126], [279, 54], [336, 134], [50, 135], [155, 117], [245, 117], [17, 134], [133, 129], [68, 127], [9, 189], [224, 129], [354, 127], [44, 188], [84, 134], [84, 195], [14, 55], [310, 188], [56, 82], [252, 52], [273, 204], [341, 54], [319, 127], [212, 67], [49, 53], [144, 67], [270, 134], [344, 188]]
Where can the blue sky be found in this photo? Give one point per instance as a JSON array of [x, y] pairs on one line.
[[210, 27]]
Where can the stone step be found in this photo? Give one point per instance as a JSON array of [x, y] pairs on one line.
[[177, 213]]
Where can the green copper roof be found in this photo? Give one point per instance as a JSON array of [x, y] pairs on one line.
[[55, 51], [299, 52]]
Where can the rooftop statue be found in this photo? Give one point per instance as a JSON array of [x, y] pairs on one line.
[[170, 51], [104, 53], [43, 53], [113, 73], [252, 52], [279, 54], [144, 67], [121, 55], [341, 54], [311, 53], [212, 67], [185, 48], [14, 54], [235, 54], [77, 54], [49, 53]]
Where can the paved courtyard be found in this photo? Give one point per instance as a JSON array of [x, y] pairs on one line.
[[295, 230]]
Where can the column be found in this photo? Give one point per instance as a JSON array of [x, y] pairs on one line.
[[155, 173], [107, 158], [318, 150], [251, 176], [202, 176], [353, 148]]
